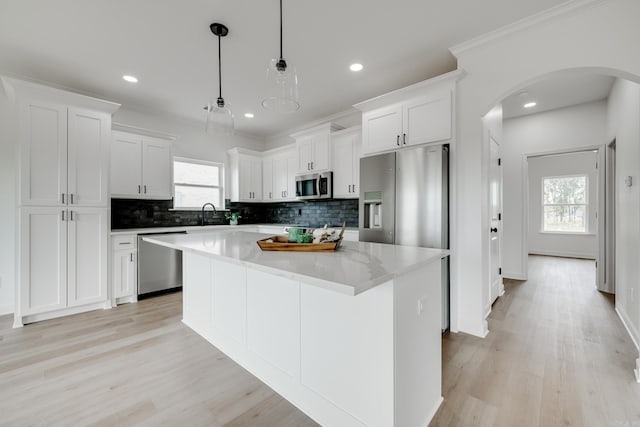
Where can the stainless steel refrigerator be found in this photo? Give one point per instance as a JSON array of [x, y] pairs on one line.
[[404, 200]]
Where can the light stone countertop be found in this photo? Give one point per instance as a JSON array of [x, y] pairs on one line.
[[353, 269], [200, 228]]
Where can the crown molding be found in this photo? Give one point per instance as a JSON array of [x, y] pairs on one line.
[[411, 91], [315, 123], [142, 131], [17, 88], [562, 10]]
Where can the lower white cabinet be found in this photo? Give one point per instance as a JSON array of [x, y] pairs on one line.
[[63, 259], [124, 269]]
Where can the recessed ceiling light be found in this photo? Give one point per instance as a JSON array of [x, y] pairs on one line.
[[356, 67], [529, 105], [130, 79], [249, 115]]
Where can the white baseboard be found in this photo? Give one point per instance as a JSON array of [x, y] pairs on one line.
[[635, 337], [514, 276], [563, 254], [6, 309]]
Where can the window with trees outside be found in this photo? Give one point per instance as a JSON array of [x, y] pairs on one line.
[[564, 204], [197, 182]]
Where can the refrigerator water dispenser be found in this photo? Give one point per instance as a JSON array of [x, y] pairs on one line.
[[373, 209]]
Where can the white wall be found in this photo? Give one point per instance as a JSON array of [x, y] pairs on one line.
[[497, 68], [558, 244], [562, 129], [8, 206], [624, 126]]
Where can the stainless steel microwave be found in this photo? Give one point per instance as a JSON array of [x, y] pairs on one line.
[[314, 186]]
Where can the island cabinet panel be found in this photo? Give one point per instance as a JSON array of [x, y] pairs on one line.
[[417, 367], [273, 320], [196, 292], [351, 344], [229, 300]]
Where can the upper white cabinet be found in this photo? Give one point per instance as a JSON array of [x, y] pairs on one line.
[[418, 114], [245, 171], [64, 154], [141, 167], [314, 149], [346, 162], [285, 166], [279, 168]]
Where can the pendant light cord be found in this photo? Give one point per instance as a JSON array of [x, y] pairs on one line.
[[219, 69], [280, 29]]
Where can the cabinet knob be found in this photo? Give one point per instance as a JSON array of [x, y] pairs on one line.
[[404, 138], [63, 216], [145, 189], [63, 199], [398, 140], [139, 189]]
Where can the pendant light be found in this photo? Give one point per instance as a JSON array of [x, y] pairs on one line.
[[219, 115], [283, 83]]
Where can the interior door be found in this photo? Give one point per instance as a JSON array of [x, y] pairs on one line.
[[495, 204]]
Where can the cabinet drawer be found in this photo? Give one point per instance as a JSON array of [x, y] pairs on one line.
[[124, 242]]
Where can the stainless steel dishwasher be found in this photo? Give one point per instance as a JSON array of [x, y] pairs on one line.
[[159, 267]]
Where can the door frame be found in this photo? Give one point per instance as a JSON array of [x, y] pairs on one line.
[[601, 202]]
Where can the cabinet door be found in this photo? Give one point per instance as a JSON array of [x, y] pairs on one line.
[[357, 154], [268, 192], [43, 259], [343, 166], [256, 178], [123, 273], [292, 166], [321, 152], [87, 252], [126, 165], [280, 173], [244, 178], [88, 158], [156, 169], [43, 153], [304, 146], [427, 119], [381, 129]]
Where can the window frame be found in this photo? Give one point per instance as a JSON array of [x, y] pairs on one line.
[[221, 180], [585, 204]]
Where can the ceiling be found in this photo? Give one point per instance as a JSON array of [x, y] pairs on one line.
[[87, 46], [558, 91]]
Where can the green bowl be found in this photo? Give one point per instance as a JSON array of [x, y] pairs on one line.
[[304, 238]]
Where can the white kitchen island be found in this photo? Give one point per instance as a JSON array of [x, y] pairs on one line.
[[352, 337]]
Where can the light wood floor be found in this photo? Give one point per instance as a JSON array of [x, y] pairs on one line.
[[556, 356]]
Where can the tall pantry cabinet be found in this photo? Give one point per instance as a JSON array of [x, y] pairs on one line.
[[63, 204]]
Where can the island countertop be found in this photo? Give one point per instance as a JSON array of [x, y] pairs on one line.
[[353, 269]]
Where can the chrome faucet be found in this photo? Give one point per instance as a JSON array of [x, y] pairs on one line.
[[204, 206]]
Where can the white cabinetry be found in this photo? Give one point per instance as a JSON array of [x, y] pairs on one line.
[[63, 204], [64, 154], [124, 268], [279, 168], [63, 258], [346, 162], [418, 114], [313, 148], [141, 167], [245, 170]]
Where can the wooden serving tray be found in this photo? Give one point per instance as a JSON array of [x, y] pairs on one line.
[[281, 243]]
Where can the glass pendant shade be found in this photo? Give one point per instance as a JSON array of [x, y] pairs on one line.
[[283, 87], [219, 119]]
